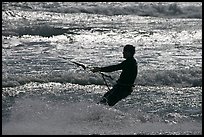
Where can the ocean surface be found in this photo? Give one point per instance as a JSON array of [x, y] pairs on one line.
[[44, 92]]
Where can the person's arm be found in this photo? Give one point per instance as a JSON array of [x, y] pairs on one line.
[[109, 68]]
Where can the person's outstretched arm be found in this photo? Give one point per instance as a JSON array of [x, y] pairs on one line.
[[108, 68]]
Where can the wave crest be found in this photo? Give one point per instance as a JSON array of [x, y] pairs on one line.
[[156, 9], [184, 78], [181, 78]]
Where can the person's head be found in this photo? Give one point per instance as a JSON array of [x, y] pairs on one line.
[[128, 51]]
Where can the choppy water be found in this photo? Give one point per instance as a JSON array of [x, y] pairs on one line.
[[45, 93]]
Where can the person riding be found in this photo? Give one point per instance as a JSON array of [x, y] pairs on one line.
[[124, 84]]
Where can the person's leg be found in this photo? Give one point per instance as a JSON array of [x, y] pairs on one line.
[[107, 96], [116, 94], [114, 99], [119, 94]]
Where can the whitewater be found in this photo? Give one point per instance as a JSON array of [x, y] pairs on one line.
[[45, 93]]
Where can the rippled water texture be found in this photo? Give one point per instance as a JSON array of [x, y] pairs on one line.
[[44, 92]]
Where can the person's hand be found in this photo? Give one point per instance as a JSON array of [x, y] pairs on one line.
[[95, 69]]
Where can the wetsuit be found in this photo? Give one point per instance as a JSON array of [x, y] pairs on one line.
[[124, 85]]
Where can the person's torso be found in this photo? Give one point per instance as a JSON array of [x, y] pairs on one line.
[[129, 72]]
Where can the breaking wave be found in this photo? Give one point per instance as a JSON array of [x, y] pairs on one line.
[[156, 9], [184, 78], [181, 78], [43, 30], [34, 116]]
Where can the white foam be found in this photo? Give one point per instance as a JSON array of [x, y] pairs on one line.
[[34, 116]]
